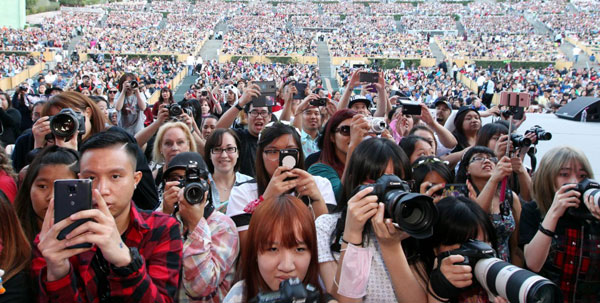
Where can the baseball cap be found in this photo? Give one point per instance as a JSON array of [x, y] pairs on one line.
[[359, 98], [182, 160], [442, 100]]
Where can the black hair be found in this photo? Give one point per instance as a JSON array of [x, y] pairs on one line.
[[447, 232], [459, 132], [424, 165], [52, 155], [106, 139], [247, 108], [367, 163], [489, 130], [461, 174], [409, 143], [216, 139], [266, 136]]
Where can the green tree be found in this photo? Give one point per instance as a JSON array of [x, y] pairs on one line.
[[29, 4]]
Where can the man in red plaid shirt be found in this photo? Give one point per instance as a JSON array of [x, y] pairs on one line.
[[135, 255]]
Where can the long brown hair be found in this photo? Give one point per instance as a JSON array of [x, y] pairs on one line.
[[79, 101], [15, 254], [271, 221]]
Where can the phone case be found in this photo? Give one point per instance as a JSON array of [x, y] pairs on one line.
[[71, 196]]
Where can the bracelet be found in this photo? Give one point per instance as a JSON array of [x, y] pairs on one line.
[[546, 232], [359, 244], [237, 105]]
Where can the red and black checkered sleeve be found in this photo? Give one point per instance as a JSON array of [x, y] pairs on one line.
[[157, 279], [62, 290]]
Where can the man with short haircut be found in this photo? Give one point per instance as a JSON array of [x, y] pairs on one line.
[[258, 117], [135, 255], [443, 109], [308, 119]]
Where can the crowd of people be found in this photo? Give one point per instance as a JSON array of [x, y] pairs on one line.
[[11, 65], [502, 47], [259, 179], [428, 23]]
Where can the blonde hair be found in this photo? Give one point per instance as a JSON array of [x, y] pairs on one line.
[[550, 165], [157, 156]]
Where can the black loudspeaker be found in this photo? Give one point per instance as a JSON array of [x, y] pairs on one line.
[[573, 109]]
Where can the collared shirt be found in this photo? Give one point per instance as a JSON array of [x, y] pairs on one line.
[[309, 145], [209, 255], [216, 200], [158, 240]]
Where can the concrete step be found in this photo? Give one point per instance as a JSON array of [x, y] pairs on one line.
[[184, 86], [436, 51]]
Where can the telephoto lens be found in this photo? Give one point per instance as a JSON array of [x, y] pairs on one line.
[[540, 133], [195, 186], [514, 283]]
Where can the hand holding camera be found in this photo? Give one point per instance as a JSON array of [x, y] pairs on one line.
[[361, 207], [40, 129], [306, 102], [359, 128], [190, 213], [170, 196], [459, 275]]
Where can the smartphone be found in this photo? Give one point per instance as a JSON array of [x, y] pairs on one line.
[[369, 77], [318, 102], [455, 190], [371, 88], [301, 88], [71, 196], [411, 108], [288, 158], [511, 99], [267, 94]]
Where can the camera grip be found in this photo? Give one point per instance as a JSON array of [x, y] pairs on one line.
[[441, 286]]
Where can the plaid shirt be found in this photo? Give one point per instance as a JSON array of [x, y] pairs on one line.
[[573, 261], [209, 255], [158, 240]]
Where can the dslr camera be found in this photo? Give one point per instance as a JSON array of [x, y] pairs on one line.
[[66, 123], [504, 279], [175, 110], [290, 290], [540, 133], [413, 213], [519, 141], [587, 188], [134, 84], [194, 185]]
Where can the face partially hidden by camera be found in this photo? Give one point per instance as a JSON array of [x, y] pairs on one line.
[[283, 142], [87, 113], [572, 172], [279, 263], [444, 248]]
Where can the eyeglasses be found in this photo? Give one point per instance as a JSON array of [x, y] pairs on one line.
[[112, 91], [483, 159], [218, 150], [344, 130], [255, 113], [273, 154]]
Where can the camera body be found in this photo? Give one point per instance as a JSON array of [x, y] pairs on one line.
[[413, 213], [472, 251], [318, 102], [66, 123], [587, 187], [290, 290], [194, 185], [519, 141], [175, 109], [23, 88], [376, 125], [540, 133], [134, 84]]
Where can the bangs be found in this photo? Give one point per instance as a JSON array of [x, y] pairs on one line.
[[286, 221]]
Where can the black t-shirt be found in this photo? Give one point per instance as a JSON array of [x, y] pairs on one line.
[[247, 151]]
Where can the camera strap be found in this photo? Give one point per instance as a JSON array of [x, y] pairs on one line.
[[441, 287]]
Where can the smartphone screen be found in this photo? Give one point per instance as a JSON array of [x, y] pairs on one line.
[[411, 109], [71, 196], [455, 190], [301, 88]]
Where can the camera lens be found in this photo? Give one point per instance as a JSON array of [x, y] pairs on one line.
[[595, 193], [175, 110], [513, 283], [544, 136], [63, 125], [378, 125], [414, 213], [194, 192]]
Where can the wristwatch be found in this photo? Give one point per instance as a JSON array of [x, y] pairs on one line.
[[134, 266], [237, 105]]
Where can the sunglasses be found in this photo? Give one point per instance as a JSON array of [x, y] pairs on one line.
[[344, 130]]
